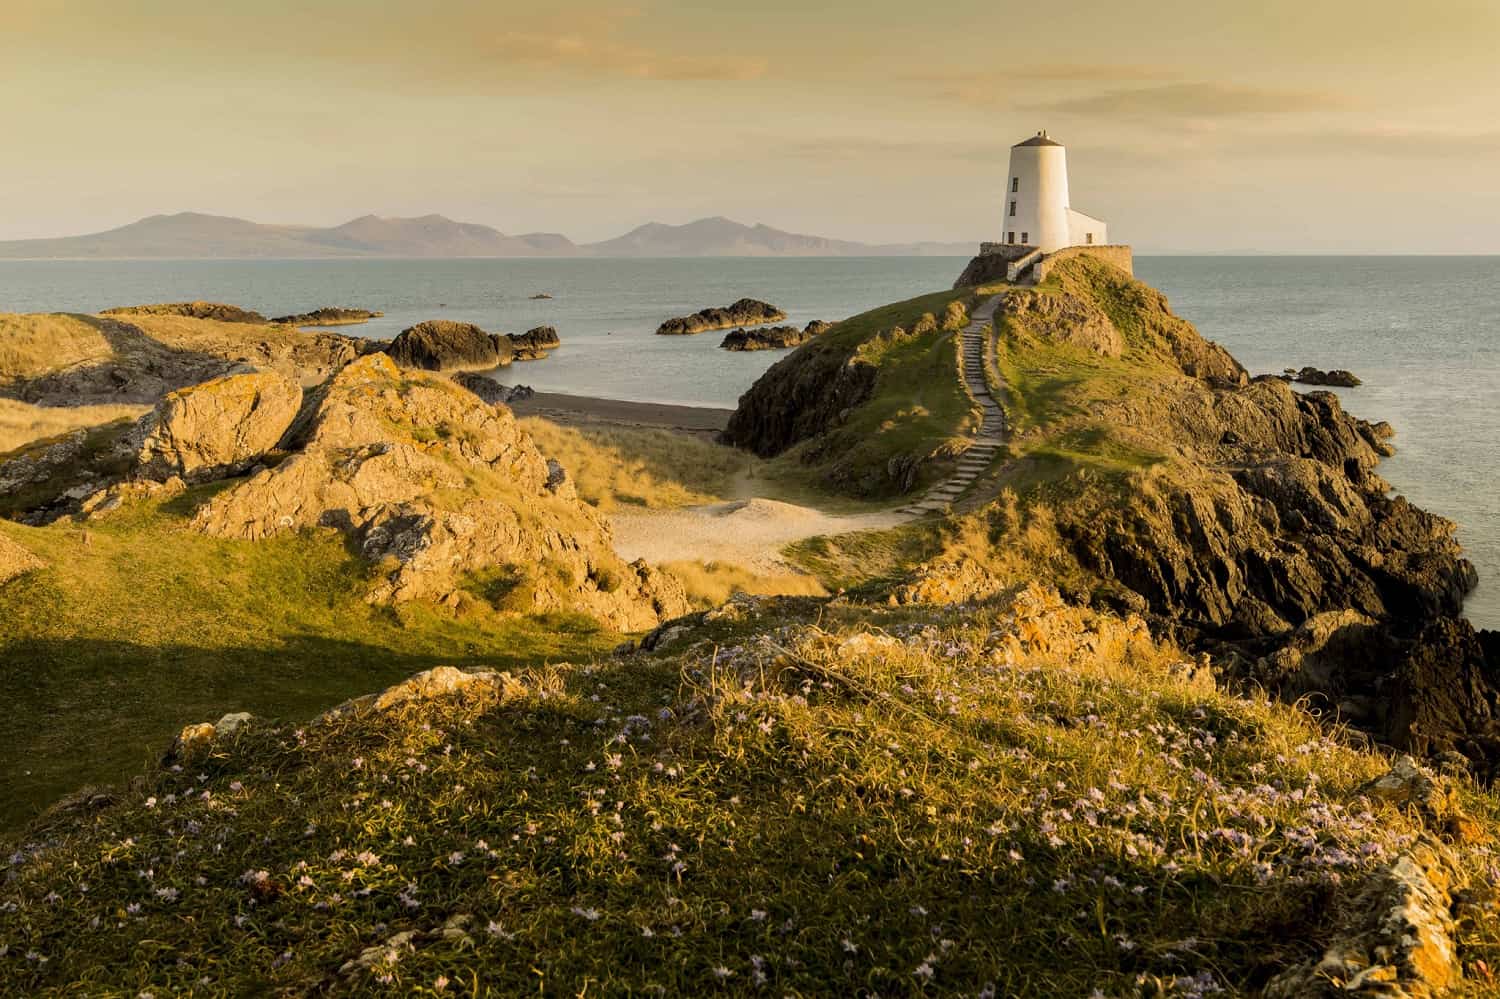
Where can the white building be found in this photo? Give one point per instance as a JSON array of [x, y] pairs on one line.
[[1037, 211]]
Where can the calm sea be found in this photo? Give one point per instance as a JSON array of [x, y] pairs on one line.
[[1423, 333]]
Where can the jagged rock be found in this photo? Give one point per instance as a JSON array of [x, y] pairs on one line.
[[951, 581], [434, 486], [765, 338], [1407, 785], [519, 393], [41, 461], [534, 343], [444, 345], [192, 310], [745, 312], [329, 315], [1395, 940], [16, 561], [218, 428], [817, 327], [1336, 377]]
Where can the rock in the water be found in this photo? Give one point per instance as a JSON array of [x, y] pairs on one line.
[[1337, 377], [765, 338], [745, 312], [519, 393], [16, 561], [444, 345], [192, 310], [330, 315], [534, 343], [435, 488], [539, 296], [218, 428]]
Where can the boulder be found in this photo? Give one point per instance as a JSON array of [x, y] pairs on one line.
[[745, 312], [434, 488], [443, 345], [817, 327], [16, 561], [218, 428], [534, 343]]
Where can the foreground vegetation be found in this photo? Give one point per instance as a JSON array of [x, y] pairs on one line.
[[140, 625], [1019, 799]]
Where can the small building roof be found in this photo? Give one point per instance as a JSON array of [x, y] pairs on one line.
[[1039, 139]]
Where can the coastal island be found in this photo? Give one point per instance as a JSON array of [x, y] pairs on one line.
[[1147, 566], [773, 337]]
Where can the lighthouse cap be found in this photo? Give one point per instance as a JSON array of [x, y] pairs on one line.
[[1039, 139]]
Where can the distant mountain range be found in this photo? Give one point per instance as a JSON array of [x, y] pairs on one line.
[[193, 235]]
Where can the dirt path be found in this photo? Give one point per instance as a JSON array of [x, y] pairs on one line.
[[748, 533]]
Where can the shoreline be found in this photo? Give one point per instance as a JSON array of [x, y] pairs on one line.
[[582, 410]]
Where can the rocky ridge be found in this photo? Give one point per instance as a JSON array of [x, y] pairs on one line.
[[435, 487]]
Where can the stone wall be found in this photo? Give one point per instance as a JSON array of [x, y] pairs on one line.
[[1119, 255]]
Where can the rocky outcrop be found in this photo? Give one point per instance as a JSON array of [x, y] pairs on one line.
[[436, 489], [534, 343], [745, 312], [16, 561], [218, 428], [330, 315], [801, 396], [216, 311], [1336, 378], [1061, 318], [443, 345], [817, 327], [765, 338], [68, 360]]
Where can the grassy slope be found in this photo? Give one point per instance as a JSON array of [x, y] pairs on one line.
[[962, 807], [139, 627], [918, 408], [22, 423]]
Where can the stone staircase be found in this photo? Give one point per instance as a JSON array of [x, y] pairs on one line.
[[991, 437]]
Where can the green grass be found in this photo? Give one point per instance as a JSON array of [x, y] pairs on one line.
[[140, 626], [853, 800], [917, 412]]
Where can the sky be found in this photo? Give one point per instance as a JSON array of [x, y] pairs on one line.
[[1364, 126]]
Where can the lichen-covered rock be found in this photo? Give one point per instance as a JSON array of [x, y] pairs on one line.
[[218, 428], [434, 486], [443, 345], [440, 681], [745, 312], [1394, 941], [16, 561], [195, 740]]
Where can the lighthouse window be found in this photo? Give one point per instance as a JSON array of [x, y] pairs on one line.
[[1012, 209], [1015, 184], [1010, 237], [1090, 238], [1025, 237]]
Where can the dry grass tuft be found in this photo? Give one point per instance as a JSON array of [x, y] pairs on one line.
[[709, 584], [21, 423]]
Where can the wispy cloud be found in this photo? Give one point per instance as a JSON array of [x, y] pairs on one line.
[[592, 55], [1197, 100]]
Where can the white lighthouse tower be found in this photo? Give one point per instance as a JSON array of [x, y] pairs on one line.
[[1037, 210]]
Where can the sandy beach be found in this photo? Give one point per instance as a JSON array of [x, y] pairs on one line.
[[578, 410]]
